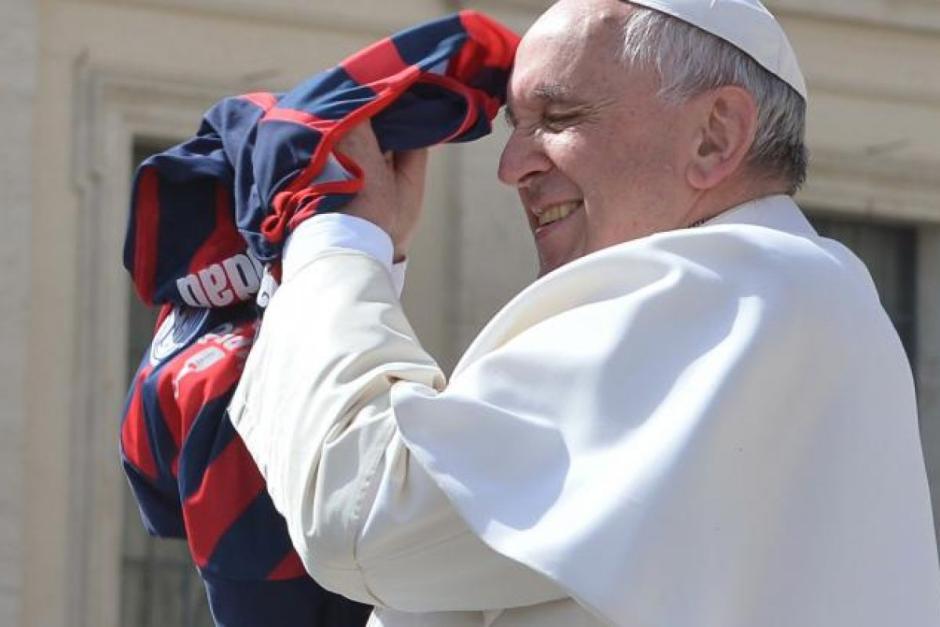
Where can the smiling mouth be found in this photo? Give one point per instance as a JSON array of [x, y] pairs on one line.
[[558, 212]]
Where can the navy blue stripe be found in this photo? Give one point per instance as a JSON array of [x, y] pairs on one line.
[[162, 445], [288, 149], [291, 603], [211, 432], [494, 81], [130, 235], [255, 544], [441, 110], [187, 219], [160, 509], [428, 44]]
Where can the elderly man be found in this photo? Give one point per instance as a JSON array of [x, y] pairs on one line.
[[699, 416]]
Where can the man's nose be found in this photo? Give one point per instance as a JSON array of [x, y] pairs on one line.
[[522, 158]]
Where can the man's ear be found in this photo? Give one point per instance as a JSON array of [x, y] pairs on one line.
[[725, 134]]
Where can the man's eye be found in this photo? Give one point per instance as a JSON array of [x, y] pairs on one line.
[[558, 122]]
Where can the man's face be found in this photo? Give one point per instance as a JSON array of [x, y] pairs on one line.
[[596, 158]]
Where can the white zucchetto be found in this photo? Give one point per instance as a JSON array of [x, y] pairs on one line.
[[747, 25]]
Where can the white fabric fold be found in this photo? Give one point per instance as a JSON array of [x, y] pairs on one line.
[[713, 427]]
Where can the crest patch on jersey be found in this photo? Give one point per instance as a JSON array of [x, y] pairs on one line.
[[177, 331]]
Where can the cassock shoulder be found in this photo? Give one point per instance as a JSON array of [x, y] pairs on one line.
[[678, 397], [749, 259], [693, 276]]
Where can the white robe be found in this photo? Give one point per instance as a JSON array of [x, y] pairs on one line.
[[713, 427]]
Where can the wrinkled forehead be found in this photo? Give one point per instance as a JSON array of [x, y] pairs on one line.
[[576, 43]]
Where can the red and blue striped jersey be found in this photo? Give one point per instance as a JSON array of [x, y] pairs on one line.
[[205, 214], [193, 477], [206, 217]]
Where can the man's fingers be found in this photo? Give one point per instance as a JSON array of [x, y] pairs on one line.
[[361, 145], [393, 190]]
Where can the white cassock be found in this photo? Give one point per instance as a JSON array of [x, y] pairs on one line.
[[713, 427]]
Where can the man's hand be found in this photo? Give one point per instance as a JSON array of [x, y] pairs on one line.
[[393, 191]]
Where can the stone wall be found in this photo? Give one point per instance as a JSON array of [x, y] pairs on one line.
[[18, 68]]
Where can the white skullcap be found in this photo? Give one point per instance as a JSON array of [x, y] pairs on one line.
[[745, 24]]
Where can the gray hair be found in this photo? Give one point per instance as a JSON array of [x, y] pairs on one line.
[[691, 61]]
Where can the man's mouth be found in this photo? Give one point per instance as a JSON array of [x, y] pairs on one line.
[[557, 212]]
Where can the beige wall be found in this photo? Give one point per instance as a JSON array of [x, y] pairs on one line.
[[18, 63], [101, 72]]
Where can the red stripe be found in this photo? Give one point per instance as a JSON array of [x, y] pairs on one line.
[[376, 64], [311, 207], [198, 388], [261, 99], [275, 269], [224, 241], [134, 439], [469, 61], [494, 42], [182, 398], [230, 485], [290, 568], [146, 225], [304, 211]]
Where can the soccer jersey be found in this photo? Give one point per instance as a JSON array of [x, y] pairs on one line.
[[207, 225]]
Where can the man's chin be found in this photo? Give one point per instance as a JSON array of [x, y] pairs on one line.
[[561, 245], [548, 264]]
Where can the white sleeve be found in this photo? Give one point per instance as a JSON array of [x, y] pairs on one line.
[[339, 230], [314, 409]]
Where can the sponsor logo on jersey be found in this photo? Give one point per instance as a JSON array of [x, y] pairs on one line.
[[233, 280], [221, 342]]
